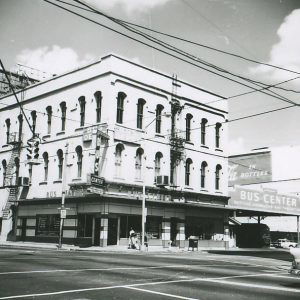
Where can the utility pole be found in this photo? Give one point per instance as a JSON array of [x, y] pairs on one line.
[[63, 195], [144, 204]]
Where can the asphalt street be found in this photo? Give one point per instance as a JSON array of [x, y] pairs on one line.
[[45, 274]]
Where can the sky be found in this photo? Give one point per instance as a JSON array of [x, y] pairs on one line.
[[37, 34]]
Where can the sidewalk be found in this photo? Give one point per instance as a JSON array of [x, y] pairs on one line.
[[65, 247]]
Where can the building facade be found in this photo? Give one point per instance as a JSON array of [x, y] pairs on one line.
[[100, 134]]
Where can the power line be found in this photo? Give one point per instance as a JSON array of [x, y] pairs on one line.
[[16, 97], [181, 52], [191, 42]]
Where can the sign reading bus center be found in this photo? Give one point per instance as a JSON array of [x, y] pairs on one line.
[[267, 200], [250, 168]]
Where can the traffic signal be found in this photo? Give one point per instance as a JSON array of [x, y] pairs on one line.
[[36, 149], [29, 149]]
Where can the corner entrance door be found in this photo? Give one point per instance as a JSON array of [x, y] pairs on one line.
[[97, 232], [23, 229], [112, 236]]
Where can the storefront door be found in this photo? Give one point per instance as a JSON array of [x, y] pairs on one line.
[[112, 237], [97, 232], [23, 229]]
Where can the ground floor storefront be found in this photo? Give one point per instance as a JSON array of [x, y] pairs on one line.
[[101, 221]]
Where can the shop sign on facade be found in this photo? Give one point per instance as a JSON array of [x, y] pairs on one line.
[[249, 169], [267, 200], [97, 181]]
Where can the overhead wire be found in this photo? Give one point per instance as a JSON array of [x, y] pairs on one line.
[[161, 50], [184, 53]]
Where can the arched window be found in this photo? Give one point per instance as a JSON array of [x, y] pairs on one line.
[[138, 163], [120, 107], [33, 116], [81, 101], [4, 168], [98, 98], [46, 165], [218, 176], [218, 131], [60, 157], [157, 163], [20, 119], [49, 119], [203, 174], [188, 121], [118, 160], [79, 161], [140, 112], [188, 164], [7, 122], [158, 112], [63, 108], [203, 131]]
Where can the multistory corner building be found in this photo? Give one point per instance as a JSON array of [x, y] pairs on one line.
[[103, 134]]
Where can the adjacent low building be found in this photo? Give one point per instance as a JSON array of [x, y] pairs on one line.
[[104, 134]]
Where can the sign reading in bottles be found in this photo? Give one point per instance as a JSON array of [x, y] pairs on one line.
[[267, 200]]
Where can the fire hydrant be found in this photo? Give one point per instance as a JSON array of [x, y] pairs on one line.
[[295, 252]]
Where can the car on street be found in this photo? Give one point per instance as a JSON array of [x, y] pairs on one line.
[[284, 243]]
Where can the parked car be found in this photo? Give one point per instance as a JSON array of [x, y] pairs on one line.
[[284, 243]]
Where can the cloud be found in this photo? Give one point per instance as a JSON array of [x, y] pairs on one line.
[[129, 6], [237, 146], [286, 52], [53, 60]]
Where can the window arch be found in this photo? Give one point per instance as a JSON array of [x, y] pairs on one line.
[[188, 164], [218, 177], [63, 108], [203, 174], [49, 119], [60, 156], [78, 151], [120, 107], [157, 164], [82, 102], [98, 98], [118, 160], [46, 165], [7, 122], [4, 168], [218, 131], [203, 131], [138, 163], [158, 112], [33, 116], [140, 113], [188, 121]]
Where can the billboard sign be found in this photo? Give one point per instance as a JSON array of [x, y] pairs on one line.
[[266, 200], [250, 168]]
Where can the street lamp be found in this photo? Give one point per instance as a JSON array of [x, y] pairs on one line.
[[144, 215]]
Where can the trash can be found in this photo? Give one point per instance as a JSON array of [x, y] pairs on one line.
[[193, 243]]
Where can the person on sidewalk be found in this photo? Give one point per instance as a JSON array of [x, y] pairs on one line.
[[131, 242]]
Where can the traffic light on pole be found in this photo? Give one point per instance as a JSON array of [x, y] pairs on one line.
[[29, 149], [36, 149]]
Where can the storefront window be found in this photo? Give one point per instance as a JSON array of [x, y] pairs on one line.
[[153, 227], [47, 225], [85, 225], [203, 228], [128, 222]]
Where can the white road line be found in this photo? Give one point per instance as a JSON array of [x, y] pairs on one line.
[[92, 269], [160, 293], [252, 285], [215, 280]]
